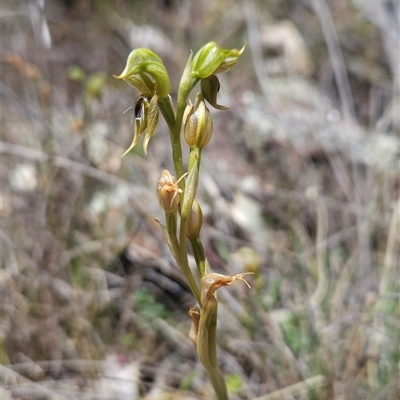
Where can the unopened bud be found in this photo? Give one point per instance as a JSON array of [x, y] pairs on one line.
[[195, 221], [198, 125]]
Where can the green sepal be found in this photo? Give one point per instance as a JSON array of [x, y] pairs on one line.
[[152, 120], [140, 82], [140, 125]]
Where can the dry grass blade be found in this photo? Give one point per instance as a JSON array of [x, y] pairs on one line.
[[297, 389]]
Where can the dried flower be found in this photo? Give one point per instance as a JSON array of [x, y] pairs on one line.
[[212, 281], [168, 191], [194, 313]]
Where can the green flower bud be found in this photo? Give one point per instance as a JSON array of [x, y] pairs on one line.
[[212, 59], [140, 112], [209, 89], [198, 125], [146, 72], [195, 221]]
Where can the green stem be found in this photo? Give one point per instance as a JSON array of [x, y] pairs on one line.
[[199, 256], [167, 110], [176, 138], [207, 347], [185, 87], [186, 206], [184, 265], [218, 381], [194, 159], [206, 343], [189, 195], [171, 222], [174, 125], [170, 234]]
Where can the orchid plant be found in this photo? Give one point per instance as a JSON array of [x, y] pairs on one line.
[[146, 72]]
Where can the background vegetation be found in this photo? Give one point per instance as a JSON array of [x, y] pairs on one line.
[[300, 185]]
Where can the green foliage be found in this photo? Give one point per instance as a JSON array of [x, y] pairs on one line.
[[296, 334], [95, 85], [130, 342], [187, 381], [269, 300], [147, 306], [234, 383], [76, 73], [78, 269]]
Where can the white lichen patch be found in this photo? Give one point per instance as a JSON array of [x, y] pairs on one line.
[[23, 178]]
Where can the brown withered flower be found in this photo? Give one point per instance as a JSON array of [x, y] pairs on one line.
[[168, 191]]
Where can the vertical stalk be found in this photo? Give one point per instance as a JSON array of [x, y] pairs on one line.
[[207, 346], [199, 256], [167, 110], [171, 222], [188, 197], [172, 241]]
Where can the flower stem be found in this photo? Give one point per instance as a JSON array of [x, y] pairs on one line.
[[207, 347], [200, 257]]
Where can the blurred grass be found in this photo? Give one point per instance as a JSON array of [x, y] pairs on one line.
[[90, 296]]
